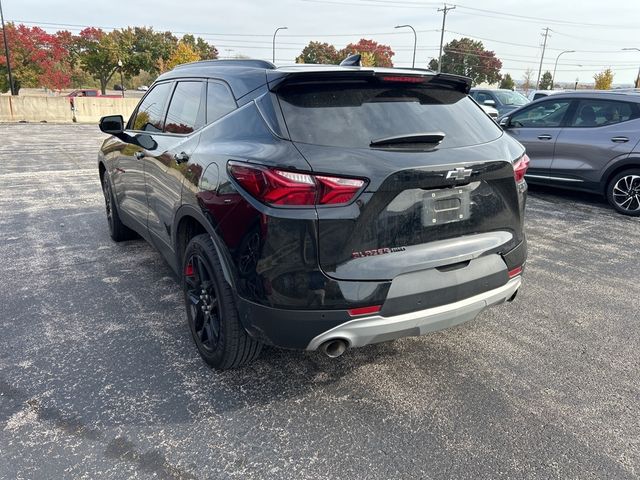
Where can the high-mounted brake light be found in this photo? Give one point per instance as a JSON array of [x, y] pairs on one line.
[[520, 167], [283, 187], [404, 79]]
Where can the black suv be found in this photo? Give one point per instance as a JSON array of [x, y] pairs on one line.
[[318, 207]]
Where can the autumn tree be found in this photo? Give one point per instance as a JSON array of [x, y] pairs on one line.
[[527, 80], [100, 52], [546, 82], [38, 58], [183, 53], [204, 50], [604, 79], [319, 52], [507, 82], [377, 54], [469, 58]]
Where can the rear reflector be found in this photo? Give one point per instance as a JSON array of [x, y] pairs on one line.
[[515, 272], [283, 187], [354, 312], [403, 79], [520, 167]]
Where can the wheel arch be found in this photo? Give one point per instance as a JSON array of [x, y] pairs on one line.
[[188, 222], [626, 164]]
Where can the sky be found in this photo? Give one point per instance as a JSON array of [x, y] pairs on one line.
[[596, 30]]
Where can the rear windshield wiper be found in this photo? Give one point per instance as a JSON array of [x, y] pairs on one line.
[[407, 141]]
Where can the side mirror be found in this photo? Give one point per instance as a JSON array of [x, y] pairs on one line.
[[504, 122], [112, 124], [489, 103]]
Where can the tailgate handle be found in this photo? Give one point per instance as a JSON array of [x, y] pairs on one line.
[[619, 139], [545, 136]]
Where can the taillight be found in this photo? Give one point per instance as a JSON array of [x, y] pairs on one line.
[[520, 167], [283, 187]]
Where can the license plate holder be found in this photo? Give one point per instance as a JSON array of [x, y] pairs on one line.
[[445, 206]]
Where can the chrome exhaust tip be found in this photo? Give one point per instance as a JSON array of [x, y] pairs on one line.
[[334, 348]]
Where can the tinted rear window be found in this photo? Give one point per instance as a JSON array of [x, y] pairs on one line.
[[352, 114]]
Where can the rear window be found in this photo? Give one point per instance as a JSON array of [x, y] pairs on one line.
[[352, 114]]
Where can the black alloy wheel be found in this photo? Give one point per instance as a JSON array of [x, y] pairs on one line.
[[212, 315], [203, 297], [117, 230]]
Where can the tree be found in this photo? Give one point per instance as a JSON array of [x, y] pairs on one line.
[[546, 82], [381, 54], [319, 52], [204, 50], [604, 79], [507, 82], [100, 52], [38, 58], [182, 54], [469, 58], [527, 80]]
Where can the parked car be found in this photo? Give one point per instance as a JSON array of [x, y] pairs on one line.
[[502, 100], [89, 92], [119, 88], [143, 88], [492, 112], [584, 141], [318, 207], [537, 94]]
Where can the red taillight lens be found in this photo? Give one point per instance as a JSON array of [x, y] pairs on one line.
[[282, 187], [515, 272], [520, 167], [354, 312]]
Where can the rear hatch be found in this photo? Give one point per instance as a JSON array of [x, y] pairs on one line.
[[440, 183]]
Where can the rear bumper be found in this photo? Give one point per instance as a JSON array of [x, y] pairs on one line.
[[375, 329]]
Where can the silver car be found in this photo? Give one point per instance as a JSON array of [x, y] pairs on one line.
[[586, 141]]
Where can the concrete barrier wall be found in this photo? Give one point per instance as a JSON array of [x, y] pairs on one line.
[[58, 109]]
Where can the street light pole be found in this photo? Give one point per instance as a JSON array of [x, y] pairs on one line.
[[121, 77], [637, 82], [274, 42], [6, 53], [553, 78], [415, 42]]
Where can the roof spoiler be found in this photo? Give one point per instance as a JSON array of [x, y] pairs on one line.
[[448, 81], [239, 62]]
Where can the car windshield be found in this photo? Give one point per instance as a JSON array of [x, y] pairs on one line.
[[511, 98], [355, 113]]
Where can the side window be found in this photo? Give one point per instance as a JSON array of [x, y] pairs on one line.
[[149, 116], [186, 112], [481, 97], [536, 96], [543, 115], [597, 113], [91, 93], [219, 101]]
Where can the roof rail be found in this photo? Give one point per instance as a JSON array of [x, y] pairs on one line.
[[239, 62]]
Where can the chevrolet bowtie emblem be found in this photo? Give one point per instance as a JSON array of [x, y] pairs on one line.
[[459, 174]]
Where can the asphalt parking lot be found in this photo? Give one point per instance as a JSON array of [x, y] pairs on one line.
[[99, 377]]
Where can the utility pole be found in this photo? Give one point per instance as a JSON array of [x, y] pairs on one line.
[[544, 47], [444, 11], [6, 53]]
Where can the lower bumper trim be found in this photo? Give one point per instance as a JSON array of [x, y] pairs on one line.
[[374, 329]]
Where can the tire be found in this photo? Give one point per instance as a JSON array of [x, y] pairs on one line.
[[212, 315], [117, 230], [623, 192]]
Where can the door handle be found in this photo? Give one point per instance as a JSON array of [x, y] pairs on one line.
[[139, 155], [619, 139], [545, 136], [181, 157]]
